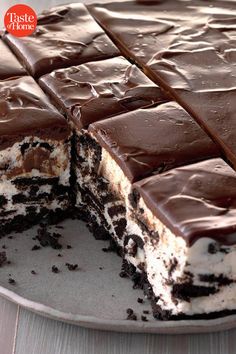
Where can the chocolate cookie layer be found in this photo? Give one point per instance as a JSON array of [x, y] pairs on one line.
[[99, 90], [25, 110], [65, 36], [188, 47], [9, 65], [153, 140], [194, 201]]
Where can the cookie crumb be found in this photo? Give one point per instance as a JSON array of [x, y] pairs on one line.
[[131, 315], [144, 318], [146, 312], [35, 248], [140, 300], [33, 272], [123, 274], [11, 281], [68, 247], [55, 269], [3, 258], [47, 238], [71, 267]]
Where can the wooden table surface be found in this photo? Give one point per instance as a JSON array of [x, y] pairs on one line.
[[23, 332]]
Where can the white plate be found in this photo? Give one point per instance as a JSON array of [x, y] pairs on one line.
[[88, 297]]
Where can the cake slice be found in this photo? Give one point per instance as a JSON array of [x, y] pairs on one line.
[[34, 156], [121, 150], [65, 35], [181, 240], [9, 65]]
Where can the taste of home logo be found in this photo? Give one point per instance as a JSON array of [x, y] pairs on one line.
[[20, 20]]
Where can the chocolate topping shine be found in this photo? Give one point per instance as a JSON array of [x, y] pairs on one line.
[[195, 201], [25, 110], [189, 48], [99, 90], [9, 66], [153, 140], [65, 36]]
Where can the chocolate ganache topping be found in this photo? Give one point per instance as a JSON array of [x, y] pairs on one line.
[[153, 140], [195, 201], [25, 110], [65, 36], [188, 48], [98, 90], [9, 65]]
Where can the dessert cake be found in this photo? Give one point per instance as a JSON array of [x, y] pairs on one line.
[[188, 48], [34, 156], [184, 221], [146, 152], [121, 150]]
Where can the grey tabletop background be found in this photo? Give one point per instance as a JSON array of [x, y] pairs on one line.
[[23, 332]]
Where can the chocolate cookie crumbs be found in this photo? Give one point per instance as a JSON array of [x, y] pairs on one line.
[[47, 238], [139, 300], [146, 312], [131, 315], [68, 247], [59, 255], [55, 269], [3, 258], [33, 272], [144, 318], [11, 281], [35, 248], [72, 267]]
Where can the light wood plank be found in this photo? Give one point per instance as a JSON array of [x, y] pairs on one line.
[[38, 335], [8, 317]]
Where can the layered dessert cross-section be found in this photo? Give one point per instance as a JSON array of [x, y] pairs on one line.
[[184, 221], [34, 156], [121, 150], [65, 35], [92, 92]]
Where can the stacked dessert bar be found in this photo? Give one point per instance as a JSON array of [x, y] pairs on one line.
[[149, 112]]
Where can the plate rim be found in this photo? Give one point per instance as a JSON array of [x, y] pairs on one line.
[[158, 327]]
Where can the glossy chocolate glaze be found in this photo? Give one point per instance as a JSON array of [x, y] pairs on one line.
[[189, 48], [65, 36], [25, 110], [153, 140], [195, 201], [99, 90], [9, 65]]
